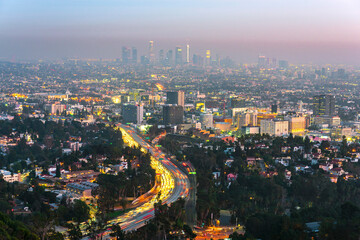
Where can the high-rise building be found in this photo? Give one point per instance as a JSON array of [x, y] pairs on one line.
[[198, 60], [246, 119], [125, 55], [151, 52], [283, 64], [176, 98], [161, 56], [324, 105], [169, 58], [144, 60], [274, 108], [178, 56], [187, 53], [296, 125], [208, 57], [173, 114], [274, 127], [261, 61], [134, 56], [133, 113]]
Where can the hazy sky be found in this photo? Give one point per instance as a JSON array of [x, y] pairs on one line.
[[319, 31]]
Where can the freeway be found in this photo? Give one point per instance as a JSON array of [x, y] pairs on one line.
[[173, 183]]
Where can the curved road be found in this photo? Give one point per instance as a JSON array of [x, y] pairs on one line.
[[174, 183]]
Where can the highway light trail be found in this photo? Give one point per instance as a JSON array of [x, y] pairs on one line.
[[173, 183]]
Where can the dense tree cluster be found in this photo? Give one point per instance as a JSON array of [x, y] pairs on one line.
[[271, 208]]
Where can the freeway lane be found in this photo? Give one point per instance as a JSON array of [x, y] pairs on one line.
[[174, 183]]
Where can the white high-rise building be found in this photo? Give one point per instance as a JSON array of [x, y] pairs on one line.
[[139, 113], [187, 53]]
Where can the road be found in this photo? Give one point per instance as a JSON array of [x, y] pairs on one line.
[[173, 183]]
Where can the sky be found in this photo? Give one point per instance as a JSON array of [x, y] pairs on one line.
[[301, 31]]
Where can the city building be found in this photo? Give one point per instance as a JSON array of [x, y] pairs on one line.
[[246, 119], [324, 105], [274, 108], [207, 120], [283, 64], [176, 98], [296, 125], [55, 109], [125, 55], [250, 130], [208, 57], [134, 56], [151, 52], [331, 121], [169, 60], [173, 114], [133, 113], [187, 53], [82, 189], [274, 127], [10, 177], [178, 56]]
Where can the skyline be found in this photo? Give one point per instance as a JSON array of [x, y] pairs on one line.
[[321, 32]]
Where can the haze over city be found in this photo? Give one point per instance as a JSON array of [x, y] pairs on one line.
[[179, 120], [300, 31]]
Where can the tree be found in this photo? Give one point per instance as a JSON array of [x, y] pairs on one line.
[[58, 174], [74, 232], [117, 232], [14, 230], [42, 225], [189, 232], [307, 144], [344, 147], [81, 211]]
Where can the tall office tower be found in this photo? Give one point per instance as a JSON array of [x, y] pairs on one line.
[[198, 60], [176, 98], [187, 53], [169, 58], [144, 60], [181, 98], [173, 114], [178, 56], [134, 55], [133, 113], [274, 108], [283, 64], [324, 105], [271, 62], [261, 61], [208, 57], [207, 120], [161, 56], [151, 52], [125, 55]]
